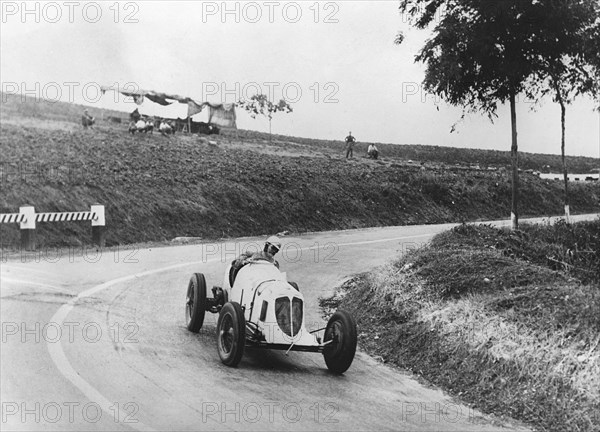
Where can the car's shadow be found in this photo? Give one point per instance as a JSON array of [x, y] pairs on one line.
[[263, 359]]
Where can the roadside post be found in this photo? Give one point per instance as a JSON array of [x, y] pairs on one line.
[[98, 225], [27, 226]]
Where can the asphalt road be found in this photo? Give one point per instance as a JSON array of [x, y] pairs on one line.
[[98, 342]]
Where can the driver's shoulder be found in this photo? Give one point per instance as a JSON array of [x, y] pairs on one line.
[[262, 255]]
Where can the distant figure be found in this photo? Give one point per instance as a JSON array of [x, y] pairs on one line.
[[180, 125], [140, 126], [135, 115], [372, 151], [172, 125], [350, 141], [87, 119], [165, 128], [149, 127]]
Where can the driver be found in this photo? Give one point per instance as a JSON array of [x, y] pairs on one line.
[[272, 246]]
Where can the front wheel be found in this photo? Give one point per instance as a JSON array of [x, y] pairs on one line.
[[341, 331], [231, 334], [195, 303]]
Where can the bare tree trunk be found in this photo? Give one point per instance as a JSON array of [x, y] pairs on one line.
[[562, 150], [563, 111], [514, 215]]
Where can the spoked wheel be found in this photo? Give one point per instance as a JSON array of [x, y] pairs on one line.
[[341, 331], [231, 334], [195, 303]]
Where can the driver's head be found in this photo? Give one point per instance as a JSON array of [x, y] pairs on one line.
[[272, 245]]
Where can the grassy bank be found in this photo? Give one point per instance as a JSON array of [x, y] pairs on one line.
[[507, 321], [240, 183]]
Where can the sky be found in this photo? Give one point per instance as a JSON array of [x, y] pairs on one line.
[[335, 63]]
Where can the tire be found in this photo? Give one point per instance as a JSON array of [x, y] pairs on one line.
[[339, 354], [295, 285], [195, 303], [231, 334]]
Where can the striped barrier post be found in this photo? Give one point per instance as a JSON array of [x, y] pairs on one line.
[[27, 218], [27, 226]]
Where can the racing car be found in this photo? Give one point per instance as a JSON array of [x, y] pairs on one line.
[[259, 308]]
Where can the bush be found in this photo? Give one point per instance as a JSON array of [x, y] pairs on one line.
[[572, 249]]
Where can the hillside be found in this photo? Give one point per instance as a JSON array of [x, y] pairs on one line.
[[19, 107], [157, 188]]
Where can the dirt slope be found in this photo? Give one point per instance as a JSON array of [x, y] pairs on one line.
[[157, 188]]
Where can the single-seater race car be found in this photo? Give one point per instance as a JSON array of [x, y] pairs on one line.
[[259, 308]]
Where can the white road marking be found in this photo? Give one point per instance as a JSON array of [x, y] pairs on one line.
[[64, 366]]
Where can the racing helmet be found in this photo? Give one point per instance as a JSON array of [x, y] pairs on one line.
[[272, 245]]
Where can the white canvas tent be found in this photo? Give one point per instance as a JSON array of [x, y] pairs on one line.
[[157, 104]]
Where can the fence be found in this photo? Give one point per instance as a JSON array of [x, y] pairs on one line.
[[27, 219]]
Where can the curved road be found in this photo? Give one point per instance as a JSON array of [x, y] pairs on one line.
[[97, 342]]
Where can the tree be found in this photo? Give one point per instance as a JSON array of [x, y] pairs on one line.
[[483, 52], [260, 104], [569, 60]]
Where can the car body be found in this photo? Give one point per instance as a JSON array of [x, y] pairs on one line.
[[258, 307]]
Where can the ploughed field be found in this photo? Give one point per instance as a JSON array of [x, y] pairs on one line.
[[156, 188]]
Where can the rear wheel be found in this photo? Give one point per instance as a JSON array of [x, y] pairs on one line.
[[341, 331], [231, 334], [195, 303], [295, 285]]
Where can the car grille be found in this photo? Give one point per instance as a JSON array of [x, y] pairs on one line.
[[289, 318], [296, 315]]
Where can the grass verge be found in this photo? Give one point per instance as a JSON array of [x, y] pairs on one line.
[[486, 314]]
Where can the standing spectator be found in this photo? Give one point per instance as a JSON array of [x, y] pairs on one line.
[[350, 141], [372, 151]]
